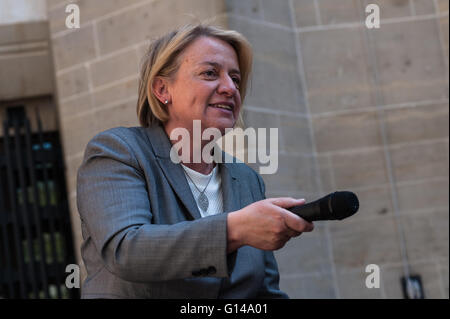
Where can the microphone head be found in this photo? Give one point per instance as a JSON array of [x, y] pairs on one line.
[[344, 204]]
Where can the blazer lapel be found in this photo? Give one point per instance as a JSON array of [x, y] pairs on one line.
[[230, 188], [174, 172], [175, 175]]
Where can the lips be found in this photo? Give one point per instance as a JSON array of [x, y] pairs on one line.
[[223, 105]]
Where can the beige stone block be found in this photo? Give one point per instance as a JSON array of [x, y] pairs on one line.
[[117, 92], [428, 271], [24, 76], [359, 169], [409, 71], [337, 73], [53, 3], [77, 132], [74, 47], [420, 161], [277, 12], [443, 24], [73, 82], [20, 33], [442, 6], [390, 9], [426, 235], [114, 68], [417, 123], [346, 131], [326, 173], [295, 174], [258, 119], [307, 254], [443, 267], [305, 13], [352, 284], [295, 134], [425, 195], [275, 82], [422, 7], [344, 11], [97, 9], [318, 286], [122, 114], [57, 19], [75, 106], [251, 9], [374, 202], [150, 20], [357, 244]]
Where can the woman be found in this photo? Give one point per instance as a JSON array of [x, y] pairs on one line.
[[155, 228]]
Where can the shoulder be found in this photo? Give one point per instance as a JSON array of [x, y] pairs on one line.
[[120, 142], [124, 134]]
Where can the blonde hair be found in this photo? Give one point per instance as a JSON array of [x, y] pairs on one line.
[[161, 60]]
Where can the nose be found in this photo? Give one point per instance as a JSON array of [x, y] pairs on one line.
[[227, 86]]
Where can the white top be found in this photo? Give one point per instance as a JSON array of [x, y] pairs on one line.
[[213, 191]]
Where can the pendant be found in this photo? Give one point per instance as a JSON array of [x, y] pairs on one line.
[[203, 201]]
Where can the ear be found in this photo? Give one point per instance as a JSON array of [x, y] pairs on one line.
[[160, 89]]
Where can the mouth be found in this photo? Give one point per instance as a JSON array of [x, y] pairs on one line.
[[225, 106]]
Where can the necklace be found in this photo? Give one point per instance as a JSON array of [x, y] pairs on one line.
[[202, 199]]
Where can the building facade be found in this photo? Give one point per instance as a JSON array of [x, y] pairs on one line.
[[356, 109]]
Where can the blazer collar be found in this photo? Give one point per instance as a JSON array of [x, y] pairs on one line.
[[174, 173]]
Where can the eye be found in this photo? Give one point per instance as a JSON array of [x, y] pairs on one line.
[[210, 73], [236, 81]]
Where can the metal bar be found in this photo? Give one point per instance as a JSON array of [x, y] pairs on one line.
[[5, 239], [24, 208], [51, 220], [14, 211], [35, 206]]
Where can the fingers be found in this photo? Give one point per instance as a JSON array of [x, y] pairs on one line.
[[297, 223], [286, 202], [294, 222]]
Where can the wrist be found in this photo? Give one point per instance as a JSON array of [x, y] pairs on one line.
[[234, 238]]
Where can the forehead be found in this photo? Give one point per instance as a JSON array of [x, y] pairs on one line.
[[209, 49]]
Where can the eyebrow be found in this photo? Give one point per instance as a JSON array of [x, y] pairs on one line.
[[218, 65]]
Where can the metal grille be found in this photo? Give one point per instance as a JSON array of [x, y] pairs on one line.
[[35, 231]]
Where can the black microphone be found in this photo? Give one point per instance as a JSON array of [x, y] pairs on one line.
[[334, 206]]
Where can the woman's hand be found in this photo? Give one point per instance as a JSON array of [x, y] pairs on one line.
[[265, 224]]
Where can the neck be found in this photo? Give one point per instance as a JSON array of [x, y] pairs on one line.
[[203, 168]]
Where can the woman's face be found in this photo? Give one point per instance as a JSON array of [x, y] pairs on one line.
[[206, 86]]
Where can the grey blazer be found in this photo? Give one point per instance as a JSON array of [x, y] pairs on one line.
[[143, 233]]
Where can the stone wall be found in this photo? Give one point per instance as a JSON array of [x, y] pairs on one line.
[[363, 110]]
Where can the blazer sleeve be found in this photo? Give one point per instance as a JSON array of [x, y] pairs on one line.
[[113, 203], [270, 287]]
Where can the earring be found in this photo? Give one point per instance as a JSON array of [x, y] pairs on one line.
[[166, 101]]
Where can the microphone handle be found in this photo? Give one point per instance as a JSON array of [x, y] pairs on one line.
[[313, 211]]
